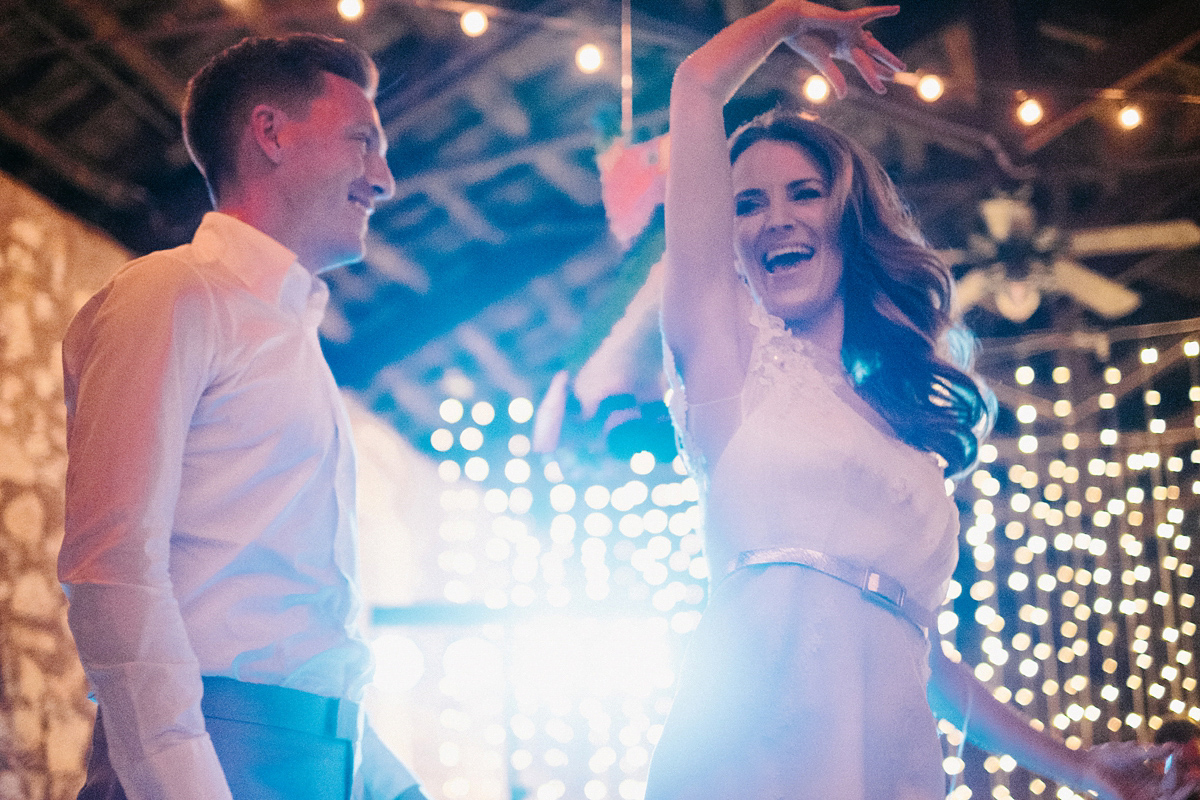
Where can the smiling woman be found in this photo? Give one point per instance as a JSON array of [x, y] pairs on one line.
[[820, 407], [787, 233]]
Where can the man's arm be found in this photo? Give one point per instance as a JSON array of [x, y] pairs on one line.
[[136, 362], [384, 776]]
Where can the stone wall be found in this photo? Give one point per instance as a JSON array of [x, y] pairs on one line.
[[50, 263]]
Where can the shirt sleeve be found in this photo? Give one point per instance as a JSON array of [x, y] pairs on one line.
[[384, 776], [136, 361]]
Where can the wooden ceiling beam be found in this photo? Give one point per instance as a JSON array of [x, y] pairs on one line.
[[1122, 65], [107, 188], [128, 95], [107, 27], [471, 172]]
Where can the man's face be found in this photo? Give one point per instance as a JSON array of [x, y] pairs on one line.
[[332, 174]]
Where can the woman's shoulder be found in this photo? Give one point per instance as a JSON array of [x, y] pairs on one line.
[[777, 356]]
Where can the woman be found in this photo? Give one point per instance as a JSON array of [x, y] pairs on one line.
[[819, 409]]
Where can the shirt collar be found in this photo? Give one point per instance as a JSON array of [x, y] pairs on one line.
[[268, 269]]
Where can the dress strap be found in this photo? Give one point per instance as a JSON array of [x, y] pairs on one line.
[[878, 587]]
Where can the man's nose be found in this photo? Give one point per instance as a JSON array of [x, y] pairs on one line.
[[383, 185]]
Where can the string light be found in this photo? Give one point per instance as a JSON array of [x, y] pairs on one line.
[[1030, 112], [473, 22], [451, 410], [350, 10], [1129, 117], [589, 58], [930, 88], [816, 89]]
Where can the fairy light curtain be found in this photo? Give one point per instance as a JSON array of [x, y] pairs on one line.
[[1075, 593], [570, 585]]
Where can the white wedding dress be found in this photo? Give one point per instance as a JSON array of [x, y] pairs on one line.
[[794, 685]]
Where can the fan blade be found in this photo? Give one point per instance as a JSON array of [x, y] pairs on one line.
[[951, 257], [1104, 296], [1017, 300], [970, 289], [1178, 234], [1006, 216]]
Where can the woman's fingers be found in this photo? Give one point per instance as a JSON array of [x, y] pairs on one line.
[[880, 53], [834, 75], [819, 52], [869, 13], [839, 34], [869, 69]]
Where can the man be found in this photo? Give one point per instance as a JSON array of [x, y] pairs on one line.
[[1183, 765], [210, 489]]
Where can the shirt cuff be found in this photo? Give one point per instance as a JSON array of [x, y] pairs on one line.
[[186, 770], [384, 776]]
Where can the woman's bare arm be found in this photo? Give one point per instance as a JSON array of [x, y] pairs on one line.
[[1119, 771], [701, 322]]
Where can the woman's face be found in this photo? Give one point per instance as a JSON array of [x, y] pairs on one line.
[[785, 231]]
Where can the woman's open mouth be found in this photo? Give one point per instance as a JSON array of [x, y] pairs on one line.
[[784, 258]]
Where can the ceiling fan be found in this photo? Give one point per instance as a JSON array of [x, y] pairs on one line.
[[1014, 262]]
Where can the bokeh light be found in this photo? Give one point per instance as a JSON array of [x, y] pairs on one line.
[[350, 10], [589, 58], [473, 22], [817, 89], [1072, 600]]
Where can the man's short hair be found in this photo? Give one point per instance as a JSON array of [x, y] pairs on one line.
[[286, 71], [1178, 730]]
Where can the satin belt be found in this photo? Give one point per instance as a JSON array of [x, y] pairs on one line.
[[876, 586], [280, 707]]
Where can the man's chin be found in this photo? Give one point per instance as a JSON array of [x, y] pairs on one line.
[[341, 258]]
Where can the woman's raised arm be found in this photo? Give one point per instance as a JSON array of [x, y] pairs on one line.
[[700, 293]]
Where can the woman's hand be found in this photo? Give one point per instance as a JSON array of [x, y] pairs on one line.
[[826, 34], [1131, 771]]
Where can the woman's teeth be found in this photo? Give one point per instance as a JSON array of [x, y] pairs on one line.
[[782, 258]]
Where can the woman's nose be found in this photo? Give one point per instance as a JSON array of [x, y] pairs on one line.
[[779, 216]]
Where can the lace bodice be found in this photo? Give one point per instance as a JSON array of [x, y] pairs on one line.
[[811, 465]]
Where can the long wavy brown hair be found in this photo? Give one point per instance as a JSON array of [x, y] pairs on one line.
[[901, 347]]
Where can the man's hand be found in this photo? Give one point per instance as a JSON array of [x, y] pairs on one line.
[[412, 793], [1131, 771]]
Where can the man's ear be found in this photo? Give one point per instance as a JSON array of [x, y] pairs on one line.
[[266, 123]]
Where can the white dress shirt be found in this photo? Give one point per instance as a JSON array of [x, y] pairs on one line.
[[210, 524]]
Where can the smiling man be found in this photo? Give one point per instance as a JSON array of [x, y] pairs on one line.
[[210, 546]]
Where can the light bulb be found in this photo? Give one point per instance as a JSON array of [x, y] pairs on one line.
[[473, 22], [1030, 112], [589, 58]]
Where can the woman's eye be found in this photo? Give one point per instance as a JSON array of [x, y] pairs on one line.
[[806, 194], [746, 205]]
